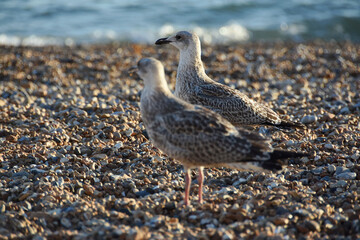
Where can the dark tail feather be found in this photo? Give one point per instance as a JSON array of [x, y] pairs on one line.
[[279, 157], [287, 124], [145, 134], [282, 154]]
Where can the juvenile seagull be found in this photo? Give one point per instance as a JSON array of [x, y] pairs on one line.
[[197, 136], [194, 86]]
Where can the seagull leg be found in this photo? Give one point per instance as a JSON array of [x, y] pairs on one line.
[[187, 186], [201, 180]]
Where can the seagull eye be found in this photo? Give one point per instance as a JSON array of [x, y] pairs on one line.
[[178, 37]]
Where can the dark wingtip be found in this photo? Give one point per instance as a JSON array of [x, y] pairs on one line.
[[285, 124], [162, 41], [288, 125], [282, 154], [278, 158]]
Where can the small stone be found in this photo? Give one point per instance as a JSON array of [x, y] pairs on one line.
[[38, 237], [129, 132], [11, 138], [77, 151], [89, 190], [328, 116], [64, 160], [118, 145], [331, 168], [2, 103], [290, 143], [340, 183], [2, 208], [24, 196], [142, 193], [345, 110], [305, 160], [156, 159], [27, 206], [356, 155], [346, 176], [349, 164], [313, 225], [65, 222], [281, 221], [116, 136], [341, 170], [100, 156], [302, 213], [240, 181], [329, 146], [37, 171], [97, 193], [309, 119], [317, 171], [302, 228]]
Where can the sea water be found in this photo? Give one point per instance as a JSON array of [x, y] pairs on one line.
[[41, 22]]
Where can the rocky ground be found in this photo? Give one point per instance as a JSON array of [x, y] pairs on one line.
[[75, 164]]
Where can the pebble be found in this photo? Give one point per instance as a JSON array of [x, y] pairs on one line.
[[100, 156], [65, 222], [118, 145], [346, 176], [309, 119], [240, 181], [331, 168], [356, 155], [64, 160], [329, 146], [337, 184], [313, 225]]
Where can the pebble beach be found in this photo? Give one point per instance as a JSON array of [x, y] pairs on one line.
[[75, 162]]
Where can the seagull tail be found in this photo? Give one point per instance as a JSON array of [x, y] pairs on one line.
[[288, 124], [279, 157]]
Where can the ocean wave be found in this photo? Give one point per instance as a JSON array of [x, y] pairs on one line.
[[231, 32], [228, 33], [33, 40], [217, 21]]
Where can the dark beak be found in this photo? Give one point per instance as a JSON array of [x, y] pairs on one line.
[[132, 70], [162, 41]]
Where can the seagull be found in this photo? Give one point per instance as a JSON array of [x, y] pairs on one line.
[[197, 136], [194, 86]]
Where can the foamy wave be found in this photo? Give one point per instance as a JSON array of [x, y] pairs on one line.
[[228, 33], [33, 40], [293, 29], [232, 32]]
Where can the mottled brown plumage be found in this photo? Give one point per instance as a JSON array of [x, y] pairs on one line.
[[195, 135], [194, 86]]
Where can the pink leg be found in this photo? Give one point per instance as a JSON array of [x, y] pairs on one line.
[[201, 180], [187, 186]]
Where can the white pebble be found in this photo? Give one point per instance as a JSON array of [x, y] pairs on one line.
[[309, 119]]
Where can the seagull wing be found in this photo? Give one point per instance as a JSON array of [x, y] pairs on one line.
[[233, 104], [205, 138]]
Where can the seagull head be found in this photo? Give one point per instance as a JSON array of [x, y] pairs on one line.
[[182, 40], [152, 72]]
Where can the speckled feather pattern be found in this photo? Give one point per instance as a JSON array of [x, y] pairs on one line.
[[228, 102], [194, 86], [197, 136]]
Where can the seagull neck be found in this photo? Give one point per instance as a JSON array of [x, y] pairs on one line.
[[155, 98], [191, 61], [156, 87]]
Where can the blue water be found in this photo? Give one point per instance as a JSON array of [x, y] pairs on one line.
[[39, 22]]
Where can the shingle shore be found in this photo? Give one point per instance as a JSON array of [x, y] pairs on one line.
[[74, 162]]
